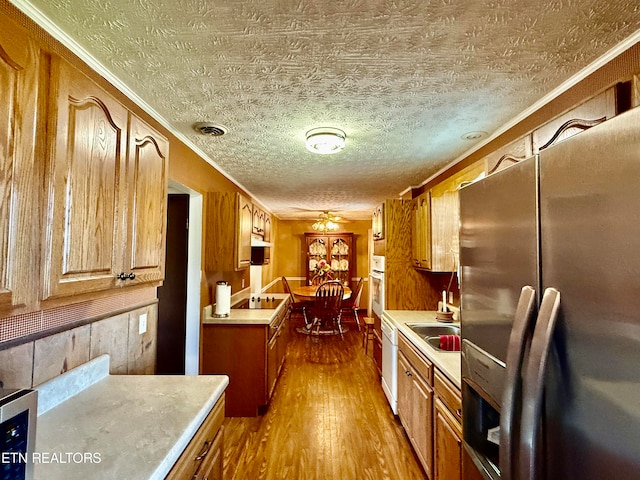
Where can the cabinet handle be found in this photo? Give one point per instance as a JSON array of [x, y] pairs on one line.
[[203, 452], [126, 276], [408, 373], [459, 412]]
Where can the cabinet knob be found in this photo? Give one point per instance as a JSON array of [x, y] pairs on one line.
[[121, 276], [131, 276]]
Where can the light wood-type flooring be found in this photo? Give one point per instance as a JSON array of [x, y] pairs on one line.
[[328, 420]]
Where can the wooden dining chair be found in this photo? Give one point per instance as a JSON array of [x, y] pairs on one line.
[[327, 306], [353, 303], [296, 306]]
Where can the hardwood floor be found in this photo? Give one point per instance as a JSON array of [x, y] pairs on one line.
[[328, 420]]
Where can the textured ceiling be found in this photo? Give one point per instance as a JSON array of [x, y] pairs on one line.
[[404, 79]]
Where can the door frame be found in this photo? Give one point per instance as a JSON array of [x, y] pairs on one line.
[[194, 257]]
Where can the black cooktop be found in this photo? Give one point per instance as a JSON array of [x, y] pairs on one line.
[[259, 302]]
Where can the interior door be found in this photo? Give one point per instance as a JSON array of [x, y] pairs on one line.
[[172, 295]]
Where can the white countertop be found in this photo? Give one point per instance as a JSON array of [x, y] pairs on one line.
[[447, 362], [246, 316], [123, 426]]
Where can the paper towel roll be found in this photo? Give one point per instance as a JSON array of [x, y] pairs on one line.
[[223, 299]]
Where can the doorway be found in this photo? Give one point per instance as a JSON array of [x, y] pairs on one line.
[[172, 295], [193, 309]]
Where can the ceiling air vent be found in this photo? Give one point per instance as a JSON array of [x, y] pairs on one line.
[[210, 129]]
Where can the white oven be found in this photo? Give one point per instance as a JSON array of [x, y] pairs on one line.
[[388, 330], [376, 285]]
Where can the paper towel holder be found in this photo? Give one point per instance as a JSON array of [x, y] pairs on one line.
[[222, 308]]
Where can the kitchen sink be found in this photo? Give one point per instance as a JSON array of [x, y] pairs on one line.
[[431, 330], [434, 342], [430, 333]]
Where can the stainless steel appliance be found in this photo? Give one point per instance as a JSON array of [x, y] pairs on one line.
[[550, 311], [390, 362], [18, 415]]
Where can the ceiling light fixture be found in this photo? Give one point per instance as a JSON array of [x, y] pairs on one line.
[[325, 140], [326, 223], [476, 135]]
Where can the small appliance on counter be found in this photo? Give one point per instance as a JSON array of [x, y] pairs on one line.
[[223, 299], [18, 415]]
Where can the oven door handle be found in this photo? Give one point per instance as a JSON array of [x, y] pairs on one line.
[[377, 275]]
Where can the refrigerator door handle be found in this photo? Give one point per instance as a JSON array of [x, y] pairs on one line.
[[533, 386], [525, 313]]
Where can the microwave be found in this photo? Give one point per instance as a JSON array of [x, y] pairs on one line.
[[18, 415]]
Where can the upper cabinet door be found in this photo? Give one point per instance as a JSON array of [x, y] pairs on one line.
[[378, 223], [85, 241], [267, 228], [19, 185], [146, 203], [244, 227]]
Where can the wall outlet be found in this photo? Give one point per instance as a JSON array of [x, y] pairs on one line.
[[142, 325]]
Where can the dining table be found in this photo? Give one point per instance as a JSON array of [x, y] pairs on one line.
[[306, 293]]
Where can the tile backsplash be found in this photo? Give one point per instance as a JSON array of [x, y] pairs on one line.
[[35, 362]]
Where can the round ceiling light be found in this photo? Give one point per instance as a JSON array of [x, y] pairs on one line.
[[325, 140], [477, 135]]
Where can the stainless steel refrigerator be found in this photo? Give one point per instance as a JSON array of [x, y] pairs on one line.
[[550, 311]]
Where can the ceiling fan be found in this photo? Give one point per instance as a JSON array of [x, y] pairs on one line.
[[327, 222]]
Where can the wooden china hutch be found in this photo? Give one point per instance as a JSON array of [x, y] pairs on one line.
[[336, 249]]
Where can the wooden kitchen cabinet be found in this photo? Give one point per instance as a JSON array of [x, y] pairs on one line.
[[276, 350], [257, 224], [421, 224], [508, 155], [378, 223], [447, 429], [107, 191], [415, 401], [252, 355], [430, 410], [582, 117], [146, 191], [202, 457], [20, 174], [261, 224], [229, 225], [267, 227], [436, 219], [336, 249]]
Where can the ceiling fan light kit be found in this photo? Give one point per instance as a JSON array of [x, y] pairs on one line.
[[326, 223], [325, 140]]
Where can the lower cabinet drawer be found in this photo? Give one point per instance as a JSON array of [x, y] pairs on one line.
[[449, 394], [211, 466], [202, 458]]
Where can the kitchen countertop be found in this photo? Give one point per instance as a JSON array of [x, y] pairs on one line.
[[246, 316], [447, 362], [118, 426]]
